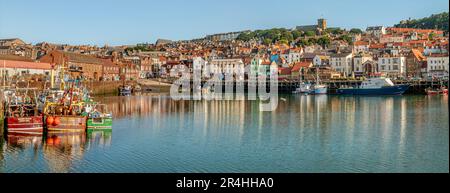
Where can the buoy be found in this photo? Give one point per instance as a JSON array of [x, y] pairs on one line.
[[50, 141], [56, 121], [50, 120]]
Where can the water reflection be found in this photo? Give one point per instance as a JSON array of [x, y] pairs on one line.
[[98, 138], [62, 149], [304, 134]]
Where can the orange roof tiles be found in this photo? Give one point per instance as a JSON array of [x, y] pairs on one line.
[[403, 30], [25, 65], [299, 65], [361, 43]]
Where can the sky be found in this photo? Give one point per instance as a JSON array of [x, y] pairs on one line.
[[127, 22]]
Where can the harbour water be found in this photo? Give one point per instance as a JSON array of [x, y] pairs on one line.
[[153, 133]]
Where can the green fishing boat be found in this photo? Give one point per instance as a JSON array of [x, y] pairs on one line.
[[98, 117]]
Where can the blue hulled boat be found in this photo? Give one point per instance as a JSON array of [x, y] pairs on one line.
[[375, 86]]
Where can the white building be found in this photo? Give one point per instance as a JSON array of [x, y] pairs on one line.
[[292, 56], [225, 66], [342, 63], [320, 60], [358, 62], [376, 31], [392, 66], [435, 49], [360, 46], [391, 39], [437, 66], [11, 68]]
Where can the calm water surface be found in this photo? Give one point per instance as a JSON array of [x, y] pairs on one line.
[[305, 134]]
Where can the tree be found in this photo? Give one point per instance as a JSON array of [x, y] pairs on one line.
[[431, 36], [356, 31], [303, 42], [310, 33], [267, 41], [346, 38], [435, 21], [324, 41], [244, 37], [335, 31], [287, 36], [296, 34]]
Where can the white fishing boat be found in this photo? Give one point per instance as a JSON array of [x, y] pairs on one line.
[[318, 87]]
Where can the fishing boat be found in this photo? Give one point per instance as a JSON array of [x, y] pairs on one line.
[[432, 91], [125, 90], [304, 88], [318, 87], [442, 90], [375, 86], [67, 113], [21, 113], [98, 117]]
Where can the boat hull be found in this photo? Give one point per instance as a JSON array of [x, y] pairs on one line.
[[104, 123], [320, 91], [389, 90], [25, 125], [67, 123]]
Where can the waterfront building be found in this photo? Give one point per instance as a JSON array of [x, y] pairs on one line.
[[10, 68], [110, 70], [342, 63], [78, 65], [437, 66], [360, 65], [255, 65], [145, 67], [224, 66], [392, 66], [414, 62]]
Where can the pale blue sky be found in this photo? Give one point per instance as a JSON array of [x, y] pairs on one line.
[[117, 22]]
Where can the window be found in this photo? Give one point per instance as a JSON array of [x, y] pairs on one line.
[[395, 60], [395, 67]]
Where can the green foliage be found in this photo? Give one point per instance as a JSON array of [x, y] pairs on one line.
[[270, 35], [324, 41], [435, 21], [267, 41], [346, 38], [310, 33], [296, 34], [356, 31], [335, 31], [139, 48]]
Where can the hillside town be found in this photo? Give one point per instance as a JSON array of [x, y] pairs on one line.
[[398, 53]]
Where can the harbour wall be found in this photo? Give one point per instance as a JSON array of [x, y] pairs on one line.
[[106, 87]]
